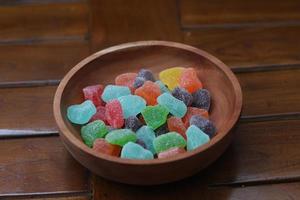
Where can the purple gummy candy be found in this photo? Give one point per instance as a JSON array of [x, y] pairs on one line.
[[161, 130], [201, 99], [138, 82], [140, 142], [133, 123], [146, 74], [204, 124], [183, 95]]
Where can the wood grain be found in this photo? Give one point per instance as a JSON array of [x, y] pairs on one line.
[[218, 12], [41, 164]]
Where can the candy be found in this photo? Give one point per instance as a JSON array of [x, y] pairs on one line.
[[171, 76], [155, 116], [193, 111], [126, 79], [140, 142], [149, 91], [93, 93], [146, 135], [175, 106], [201, 99], [167, 141], [133, 123], [195, 138], [81, 113], [162, 87], [114, 91], [114, 114], [189, 80], [100, 114], [110, 128], [146, 74], [102, 146], [175, 124], [161, 130], [135, 151], [138, 82], [204, 124], [171, 152], [132, 105], [183, 95], [120, 137], [92, 131]]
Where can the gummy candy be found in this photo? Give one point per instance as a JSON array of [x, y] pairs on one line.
[[193, 111], [189, 80], [175, 106], [81, 113], [171, 76], [110, 128], [167, 141], [114, 114], [204, 124], [149, 91], [135, 151], [171, 152], [132, 105], [126, 79], [163, 87], [195, 138], [146, 74], [102, 146], [140, 142], [120, 137], [175, 124], [201, 99], [114, 91], [100, 114], [93, 93], [146, 135], [138, 82], [183, 95], [155, 116], [162, 130], [92, 131], [133, 123]]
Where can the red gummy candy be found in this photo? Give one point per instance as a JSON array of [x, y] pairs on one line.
[[114, 114], [176, 124], [149, 91], [126, 79], [100, 145], [100, 114], [93, 93], [189, 80], [193, 111], [171, 152]]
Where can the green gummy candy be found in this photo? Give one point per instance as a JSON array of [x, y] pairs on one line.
[[81, 113], [92, 131], [167, 141], [120, 137], [135, 151], [195, 137], [175, 106], [155, 116]]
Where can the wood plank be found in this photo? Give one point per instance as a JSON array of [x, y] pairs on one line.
[[217, 12], [42, 21], [250, 46], [41, 164]]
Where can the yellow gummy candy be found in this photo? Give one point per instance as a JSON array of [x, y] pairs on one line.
[[171, 76]]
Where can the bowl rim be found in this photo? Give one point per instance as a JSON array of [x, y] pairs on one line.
[[64, 131]]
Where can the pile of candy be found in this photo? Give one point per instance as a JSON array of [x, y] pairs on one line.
[[141, 118]]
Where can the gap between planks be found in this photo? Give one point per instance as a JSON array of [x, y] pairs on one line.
[[53, 195]]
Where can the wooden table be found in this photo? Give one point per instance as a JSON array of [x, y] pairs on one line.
[[41, 40]]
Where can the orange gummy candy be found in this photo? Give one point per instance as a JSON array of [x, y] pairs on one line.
[[171, 152], [126, 79], [189, 80], [102, 146], [176, 124], [149, 91], [193, 111]]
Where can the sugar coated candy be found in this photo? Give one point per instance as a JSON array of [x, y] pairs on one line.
[[161, 130], [171, 152], [93, 93], [195, 138], [175, 124], [171, 76], [149, 91], [81, 113], [133, 123], [114, 91], [92, 131], [140, 142], [102, 146], [204, 124], [167, 141], [100, 114], [193, 111], [138, 82], [183, 95], [132, 105], [135, 151], [146, 135], [146, 74], [175, 106], [155, 116], [189, 80], [120, 137], [201, 99], [114, 114], [162, 86], [126, 79]]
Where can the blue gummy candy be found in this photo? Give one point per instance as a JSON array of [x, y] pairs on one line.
[[132, 105], [113, 92], [195, 138], [147, 135], [81, 113], [175, 106], [163, 87], [135, 151]]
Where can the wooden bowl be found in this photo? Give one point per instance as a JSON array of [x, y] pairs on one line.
[[103, 66]]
